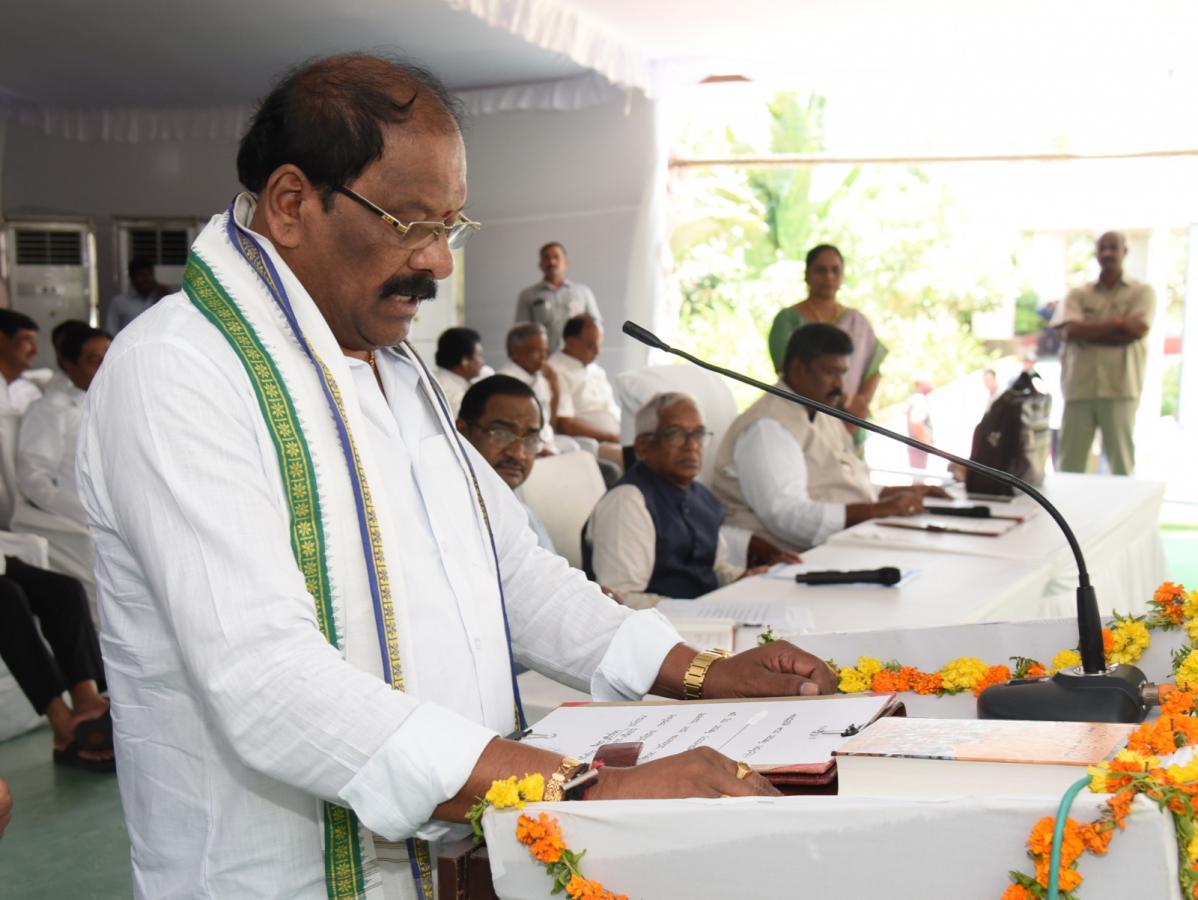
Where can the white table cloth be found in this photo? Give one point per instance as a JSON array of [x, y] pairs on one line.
[[832, 847]]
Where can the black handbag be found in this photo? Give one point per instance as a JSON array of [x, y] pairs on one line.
[[1013, 436]]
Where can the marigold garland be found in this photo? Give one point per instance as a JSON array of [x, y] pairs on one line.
[[541, 835], [1123, 642], [1139, 769]]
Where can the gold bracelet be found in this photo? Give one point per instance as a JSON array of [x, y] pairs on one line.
[[696, 672], [555, 786]]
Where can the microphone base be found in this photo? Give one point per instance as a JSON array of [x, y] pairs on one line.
[[1116, 695]]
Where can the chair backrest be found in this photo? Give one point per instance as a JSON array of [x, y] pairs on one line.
[[10, 427], [636, 388], [562, 490]]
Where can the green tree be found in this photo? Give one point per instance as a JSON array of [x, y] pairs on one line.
[[740, 236]]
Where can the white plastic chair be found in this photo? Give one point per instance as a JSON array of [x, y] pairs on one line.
[[563, 490], [636, 388]]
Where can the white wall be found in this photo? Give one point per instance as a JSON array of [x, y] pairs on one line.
[[581, 178], [98, 180]]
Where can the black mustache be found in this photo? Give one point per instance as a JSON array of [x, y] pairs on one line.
[[418, 287]]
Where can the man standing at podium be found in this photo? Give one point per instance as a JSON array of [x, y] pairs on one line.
[[314, 594]]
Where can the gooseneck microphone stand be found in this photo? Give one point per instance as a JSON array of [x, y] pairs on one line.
[[1088, 693]]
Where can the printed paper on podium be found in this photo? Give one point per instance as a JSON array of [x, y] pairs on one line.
[[785, 734]]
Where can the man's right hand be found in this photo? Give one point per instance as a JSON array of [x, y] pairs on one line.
[[701, 772], [900, 504], [5, 807]]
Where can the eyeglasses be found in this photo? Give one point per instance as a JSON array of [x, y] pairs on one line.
[[503, 437], [418, 235], [677, 437]]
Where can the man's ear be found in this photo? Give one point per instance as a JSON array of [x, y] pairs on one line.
[[640, 445], [462, 426], [284, 203]]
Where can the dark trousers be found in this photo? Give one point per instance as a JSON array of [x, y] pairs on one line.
[[60, 605]]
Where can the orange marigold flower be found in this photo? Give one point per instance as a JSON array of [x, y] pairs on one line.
[[994, 675], [1017, 892], [924, 683], [542, 836], [1036, 670], [1120, 805], [1176, 702], [1108, 641]]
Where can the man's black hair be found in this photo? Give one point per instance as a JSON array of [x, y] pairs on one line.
[[65, 327], [140, 264], [814, 252], [575, 326], [456, 344], [474, 403], [560, 246], [812, 341], [12, 321], [328, 118], [70, 347]]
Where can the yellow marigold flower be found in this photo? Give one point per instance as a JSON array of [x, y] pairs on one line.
[[868, 666], [532, 788], [852, 681], [1183, 774], [1142, 761], [963, 673], [1131, 640], [1192, 849], [1066, 659], [1190, 610], [1191, 628], [504, 794], [1098, 780], [1187, 674]]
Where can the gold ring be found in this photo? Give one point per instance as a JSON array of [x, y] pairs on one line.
[[743, 770]]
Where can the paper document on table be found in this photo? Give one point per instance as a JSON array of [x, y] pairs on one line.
[[768, 734], [788, 571], [784, 619]]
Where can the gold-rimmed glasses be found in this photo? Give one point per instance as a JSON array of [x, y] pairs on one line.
[[417, 235]]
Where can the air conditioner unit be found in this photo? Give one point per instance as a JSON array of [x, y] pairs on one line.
[[51, 275], [166, 242]]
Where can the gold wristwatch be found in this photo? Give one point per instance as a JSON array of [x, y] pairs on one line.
[[696, 672], [568, 768]]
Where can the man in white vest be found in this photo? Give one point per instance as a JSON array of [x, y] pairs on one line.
[[314, 594], [790, 474]]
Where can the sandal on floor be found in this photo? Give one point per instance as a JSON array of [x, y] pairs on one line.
[[70, 758], [95, 734]]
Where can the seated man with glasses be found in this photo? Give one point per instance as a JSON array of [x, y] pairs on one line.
[[500, 416], [656, 533]]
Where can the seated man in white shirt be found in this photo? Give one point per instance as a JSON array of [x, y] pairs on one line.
[[657, 532], [500, 416], [45, 458], [18, 348], [459, 363], [528, 361], [594, 412], [792, 474]]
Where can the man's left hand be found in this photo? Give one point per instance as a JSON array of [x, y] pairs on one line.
[[777, 669]]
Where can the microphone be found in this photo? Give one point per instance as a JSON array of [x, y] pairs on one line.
[[887, 575], [1089, 693]]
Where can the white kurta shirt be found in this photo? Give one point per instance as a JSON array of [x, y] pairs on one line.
[[45, 460], [232, 712], [17, 395], [773, 478], [624, 551], [591, 395], [454, 386]]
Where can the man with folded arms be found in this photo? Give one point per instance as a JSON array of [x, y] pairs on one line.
[[313, 677], [656, 533], [791, 474]]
